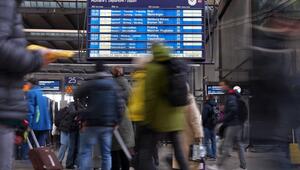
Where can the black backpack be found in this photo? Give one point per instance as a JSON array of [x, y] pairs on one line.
[[60, 115], [243, 111], [177, 82]]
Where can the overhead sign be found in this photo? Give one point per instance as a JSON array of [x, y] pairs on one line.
[[127, 28], [49, 85], [72, 80], [215, 90]]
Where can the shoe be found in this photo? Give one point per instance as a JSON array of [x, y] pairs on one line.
[[71, 167], [213, 167], [211, 159], [240, 168]]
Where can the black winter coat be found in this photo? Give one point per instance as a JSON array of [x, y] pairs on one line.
[[231, 116], [104, 104], [207, 114], [15, 63], [69, 122]]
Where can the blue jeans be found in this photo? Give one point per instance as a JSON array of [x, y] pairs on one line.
[[64, 145], [41, 136], [210, 142], [90, 136], [73, 149]]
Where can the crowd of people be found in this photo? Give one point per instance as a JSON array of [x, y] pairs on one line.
[[158, 106], [143, 113]]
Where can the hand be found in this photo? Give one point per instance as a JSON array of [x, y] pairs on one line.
[[116, 127], [46, 54], [198, 140]]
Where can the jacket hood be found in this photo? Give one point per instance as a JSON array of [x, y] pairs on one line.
[[160, 52], [140, 74]]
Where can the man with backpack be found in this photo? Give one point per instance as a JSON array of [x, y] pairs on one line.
[[68, 127], [166, 94], [234, 118], [210, 120]]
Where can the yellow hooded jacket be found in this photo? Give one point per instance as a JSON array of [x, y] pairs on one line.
[[136, 99]]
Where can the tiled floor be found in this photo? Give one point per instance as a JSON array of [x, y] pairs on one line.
[[256, 161]]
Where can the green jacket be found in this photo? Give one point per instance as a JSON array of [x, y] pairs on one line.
[[159, 114]]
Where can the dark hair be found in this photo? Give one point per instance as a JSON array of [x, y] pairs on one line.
[[210, 97], [100, 66], [226, 82], [33, 81]]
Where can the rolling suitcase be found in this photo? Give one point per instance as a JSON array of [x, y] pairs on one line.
[[42, 158], [294, 150]]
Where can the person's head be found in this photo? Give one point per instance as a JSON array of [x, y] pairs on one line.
[[210, 97], [222, 107], [160, 52], [117, 71], [19, 2], [32, 82], [225, 85], [100, 66]]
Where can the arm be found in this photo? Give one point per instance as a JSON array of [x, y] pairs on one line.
[[195, 119], [14, 57], [151, 89], [205, 112], [31, 107], [231, 108]]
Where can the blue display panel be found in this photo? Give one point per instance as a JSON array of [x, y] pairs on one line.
[[214, 89], [126, 28], [49, 85]]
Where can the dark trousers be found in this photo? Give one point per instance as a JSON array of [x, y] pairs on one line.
[[73, 149], [119, 160], [148, 142]]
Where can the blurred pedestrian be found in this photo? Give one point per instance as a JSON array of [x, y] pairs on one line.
[[193, 132], [119, 159], [161, 116], [16, 62], [136, 106], [39, 116], [234, 127], [118, 73], [68, 127], [103, 114], [210, 120]]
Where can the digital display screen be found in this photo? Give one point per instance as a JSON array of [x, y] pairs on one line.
[[49, 85], [127, 28], [214, 90]]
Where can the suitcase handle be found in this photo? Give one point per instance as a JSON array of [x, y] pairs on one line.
[[122, 144], [34, 139], [293, 136]]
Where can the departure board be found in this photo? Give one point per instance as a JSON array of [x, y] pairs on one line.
[[127, 28]]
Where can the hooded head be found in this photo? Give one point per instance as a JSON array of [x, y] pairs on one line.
[[19, 2], [160, 52], [100, 66]]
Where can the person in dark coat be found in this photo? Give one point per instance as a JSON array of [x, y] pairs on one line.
[[119, 159], [16, 61], [68, 127], [233, 127], [104, 113], [209, 119]]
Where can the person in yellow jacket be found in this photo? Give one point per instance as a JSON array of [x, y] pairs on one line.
[[136, 99], [136, 106]]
